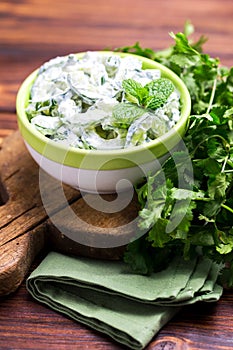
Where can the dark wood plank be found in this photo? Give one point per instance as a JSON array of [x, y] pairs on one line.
[[25, 324], [205, 327], [8, 121], [34, 31]]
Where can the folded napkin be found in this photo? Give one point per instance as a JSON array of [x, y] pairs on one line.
[[128, 307]]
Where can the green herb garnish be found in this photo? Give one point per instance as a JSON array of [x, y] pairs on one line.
[[153, 95], [141, 98]]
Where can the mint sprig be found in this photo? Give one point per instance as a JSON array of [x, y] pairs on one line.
[[139, 99], [151, 96]]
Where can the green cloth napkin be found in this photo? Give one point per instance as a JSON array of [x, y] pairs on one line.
[[129, 308]]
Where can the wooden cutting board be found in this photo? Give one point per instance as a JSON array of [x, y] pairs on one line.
[[38, 212]]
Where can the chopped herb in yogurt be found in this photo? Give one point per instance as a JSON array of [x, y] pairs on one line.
[[102, 102]]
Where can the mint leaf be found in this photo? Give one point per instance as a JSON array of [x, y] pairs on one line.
[[125, 113], [158, 90], [135, 92]]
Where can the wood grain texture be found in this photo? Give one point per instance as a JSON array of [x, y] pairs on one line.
[[32, 31], [37, 211], [26, 324], [20, 242]]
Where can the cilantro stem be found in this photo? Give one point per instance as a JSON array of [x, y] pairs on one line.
[[203, 141], [224, 164], [227, 208], [227, 161], [204, 199], [212, 96]]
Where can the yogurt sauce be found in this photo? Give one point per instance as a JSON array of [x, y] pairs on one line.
[[77, 102]]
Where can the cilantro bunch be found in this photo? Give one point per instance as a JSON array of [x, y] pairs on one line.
[[188, 205]]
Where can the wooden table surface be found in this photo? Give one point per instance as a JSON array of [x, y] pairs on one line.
[[31, 32]]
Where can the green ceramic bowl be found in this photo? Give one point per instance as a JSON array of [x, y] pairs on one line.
[[97, 170]]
